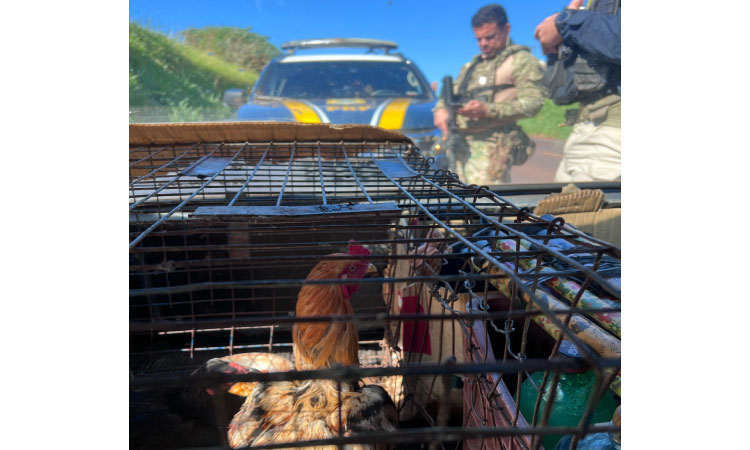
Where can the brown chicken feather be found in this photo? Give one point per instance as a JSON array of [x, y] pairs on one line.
[[306, 410], [301, 410], [320, 345]]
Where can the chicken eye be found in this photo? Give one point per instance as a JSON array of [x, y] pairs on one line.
[[352, 268]]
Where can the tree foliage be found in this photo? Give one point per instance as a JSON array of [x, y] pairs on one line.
[[236, 45]]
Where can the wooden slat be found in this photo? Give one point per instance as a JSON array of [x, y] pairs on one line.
[[480, 401]]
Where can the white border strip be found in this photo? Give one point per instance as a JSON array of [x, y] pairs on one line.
[[379, 112]]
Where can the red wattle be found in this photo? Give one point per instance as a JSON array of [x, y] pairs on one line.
[[349, 289]]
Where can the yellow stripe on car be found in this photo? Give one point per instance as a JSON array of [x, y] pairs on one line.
[[393, 115], [301, 111]]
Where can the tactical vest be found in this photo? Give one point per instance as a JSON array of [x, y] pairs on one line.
[[490, 91], [606, 109], [500, 68], [487, 93]]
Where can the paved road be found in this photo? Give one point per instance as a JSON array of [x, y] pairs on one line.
[[540, 168]]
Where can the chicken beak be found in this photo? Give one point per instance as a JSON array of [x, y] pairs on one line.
[[371, 270]]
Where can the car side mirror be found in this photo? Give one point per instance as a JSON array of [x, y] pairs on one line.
[[234, 98]]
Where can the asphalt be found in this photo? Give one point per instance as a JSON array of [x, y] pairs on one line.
[[541, 166]]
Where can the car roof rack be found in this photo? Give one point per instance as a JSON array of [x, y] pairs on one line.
[[372, 44]]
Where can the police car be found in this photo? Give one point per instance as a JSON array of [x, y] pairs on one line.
[[377, 87]]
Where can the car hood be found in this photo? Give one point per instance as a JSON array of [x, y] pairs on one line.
[[404, 114]]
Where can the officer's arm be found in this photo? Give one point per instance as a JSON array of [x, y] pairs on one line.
[[594, 33], [530, 93]]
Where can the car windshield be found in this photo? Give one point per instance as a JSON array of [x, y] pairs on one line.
[[341, 79]]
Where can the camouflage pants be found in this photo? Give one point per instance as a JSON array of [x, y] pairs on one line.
[[490, 159]]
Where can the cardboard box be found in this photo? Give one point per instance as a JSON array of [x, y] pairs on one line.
[[603, 224]]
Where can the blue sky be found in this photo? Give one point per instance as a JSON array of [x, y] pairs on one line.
[[436, 34]]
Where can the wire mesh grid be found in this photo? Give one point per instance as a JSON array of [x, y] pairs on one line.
[[472, 300]]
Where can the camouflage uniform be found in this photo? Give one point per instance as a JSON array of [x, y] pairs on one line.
[[511, 86]]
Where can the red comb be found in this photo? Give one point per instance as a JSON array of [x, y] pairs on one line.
[[357, 250]]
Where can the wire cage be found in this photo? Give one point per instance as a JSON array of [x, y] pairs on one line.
[[478, 316]]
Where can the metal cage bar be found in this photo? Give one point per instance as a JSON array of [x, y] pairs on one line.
[[214, 272]]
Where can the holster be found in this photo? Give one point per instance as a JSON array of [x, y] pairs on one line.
[[520, 144]]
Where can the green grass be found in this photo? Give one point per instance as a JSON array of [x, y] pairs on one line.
[[172, 81], [236, 45], [547, 122]]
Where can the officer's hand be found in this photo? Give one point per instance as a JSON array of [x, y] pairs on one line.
[[474, 109], [546, 32], [547, 35], [440, 119]]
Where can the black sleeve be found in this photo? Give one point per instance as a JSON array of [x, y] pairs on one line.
[[594, 33]]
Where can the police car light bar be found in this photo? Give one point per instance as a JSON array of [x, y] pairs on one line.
[[339, 42]]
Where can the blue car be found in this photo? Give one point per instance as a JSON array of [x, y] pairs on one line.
[[376, 87]]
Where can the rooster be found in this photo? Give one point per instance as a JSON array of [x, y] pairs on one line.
[[290, 411]]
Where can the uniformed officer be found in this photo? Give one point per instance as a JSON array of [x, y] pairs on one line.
[[497, 87], [592, 152]]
